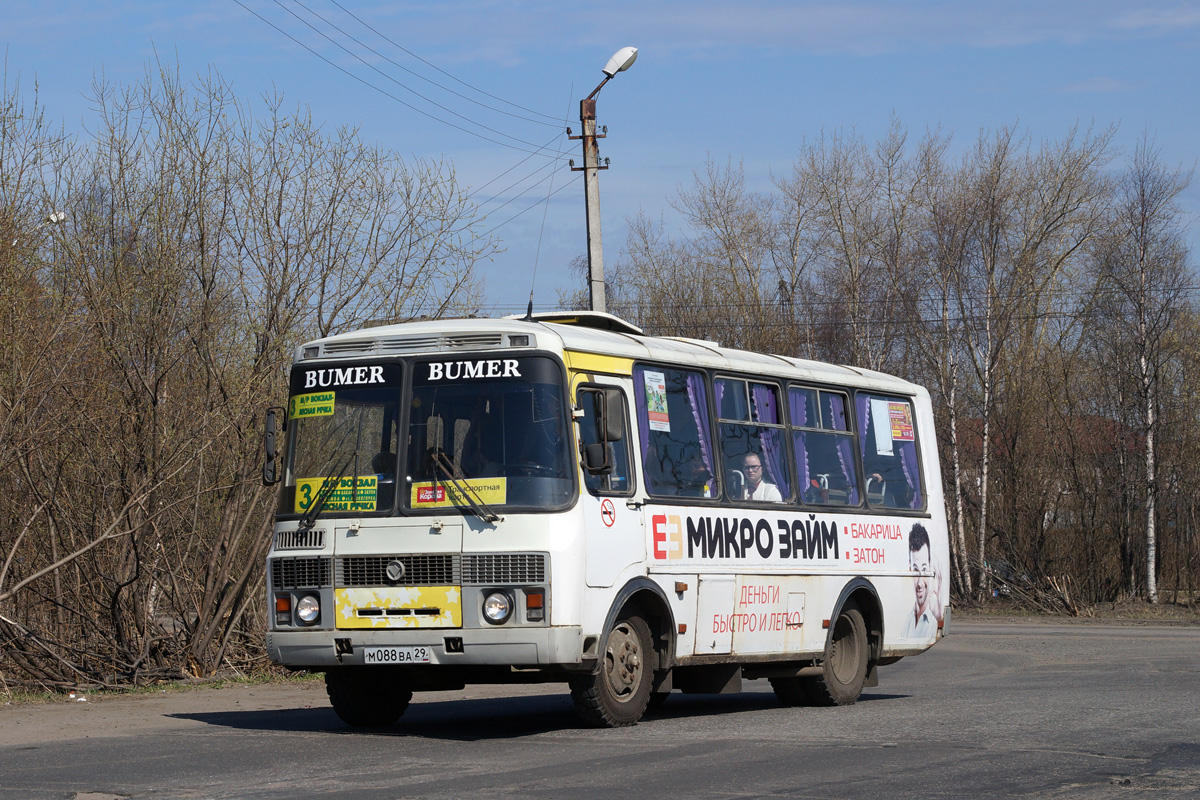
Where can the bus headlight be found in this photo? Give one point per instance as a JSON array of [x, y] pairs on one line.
[[498, 607], [308, 609]]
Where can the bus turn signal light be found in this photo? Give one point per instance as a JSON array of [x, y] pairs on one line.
[[283, 609], [535, 605]]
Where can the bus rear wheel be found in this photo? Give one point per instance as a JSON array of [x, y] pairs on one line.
[[616, 695], [366, 697], [845, 665]]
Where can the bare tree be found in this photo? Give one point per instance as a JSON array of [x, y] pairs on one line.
[[199, 243], [1142, 275]]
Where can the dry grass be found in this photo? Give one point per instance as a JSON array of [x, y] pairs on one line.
[[1124, 609]]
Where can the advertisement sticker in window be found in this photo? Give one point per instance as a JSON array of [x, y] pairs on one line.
[[900, 415], [656, 401]]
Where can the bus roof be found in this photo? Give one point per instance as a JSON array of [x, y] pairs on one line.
[[587, 332]]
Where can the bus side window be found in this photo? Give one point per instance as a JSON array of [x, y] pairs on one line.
[[751, 434], [606, 464], [823, 447], [888, 443], [674, 432]]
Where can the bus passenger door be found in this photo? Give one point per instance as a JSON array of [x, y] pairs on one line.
[[613, 534]]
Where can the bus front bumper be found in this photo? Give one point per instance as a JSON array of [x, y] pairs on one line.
[[317, 649]]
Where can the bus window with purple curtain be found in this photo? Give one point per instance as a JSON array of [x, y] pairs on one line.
[[750, 425], [822, 446], [674, 432], [887, 436]]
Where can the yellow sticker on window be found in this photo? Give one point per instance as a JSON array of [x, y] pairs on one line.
[[445, 495], [317, 404], [346, 496]]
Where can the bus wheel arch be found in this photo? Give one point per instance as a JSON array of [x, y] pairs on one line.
[[864, 595], [853, 646], [634, 652], [646, 597]]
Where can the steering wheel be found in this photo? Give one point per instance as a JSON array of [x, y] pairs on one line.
[[532, 470]]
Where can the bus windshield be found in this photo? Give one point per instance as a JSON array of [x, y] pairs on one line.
[[343, 445], [490, 432]]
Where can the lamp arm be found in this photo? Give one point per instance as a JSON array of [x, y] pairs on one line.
[[596, 91]]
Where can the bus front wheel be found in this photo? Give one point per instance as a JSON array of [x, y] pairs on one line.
[[844, 670], [366, 697], [790, 691], [616, 695]]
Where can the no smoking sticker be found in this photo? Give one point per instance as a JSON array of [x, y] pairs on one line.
[[608, 513]]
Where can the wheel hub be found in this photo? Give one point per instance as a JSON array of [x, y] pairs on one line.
[[623, 661]]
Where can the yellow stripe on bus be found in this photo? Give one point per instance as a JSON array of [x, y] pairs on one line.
[[591, 362]]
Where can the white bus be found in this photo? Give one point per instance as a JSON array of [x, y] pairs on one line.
[[562, 498]]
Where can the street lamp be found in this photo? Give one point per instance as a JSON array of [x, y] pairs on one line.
[[621, 60]]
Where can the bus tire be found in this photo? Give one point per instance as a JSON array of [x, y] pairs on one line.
[[617, 693], [366, 697], [845, 664], [790, 691]]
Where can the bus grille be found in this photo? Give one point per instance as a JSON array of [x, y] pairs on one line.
[[423, 570], [504, 568], [442, 569], [299, 573], [413, 344], [310, 539]]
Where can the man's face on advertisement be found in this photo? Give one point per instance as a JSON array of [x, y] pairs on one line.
[[919, 562]]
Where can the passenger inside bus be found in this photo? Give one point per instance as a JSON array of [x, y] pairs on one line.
[[755, 486]]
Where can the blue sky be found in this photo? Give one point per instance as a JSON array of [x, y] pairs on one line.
[[747, 81]]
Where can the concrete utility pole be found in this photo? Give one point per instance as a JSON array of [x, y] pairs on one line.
[[591, 201], [622, 60]]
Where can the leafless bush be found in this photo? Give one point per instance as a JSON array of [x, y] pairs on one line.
[[156, 275]]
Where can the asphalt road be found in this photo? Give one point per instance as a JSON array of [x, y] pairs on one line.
[[1032, 709]]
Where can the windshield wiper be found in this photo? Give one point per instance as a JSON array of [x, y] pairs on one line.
[[465, 490], [323, 493]]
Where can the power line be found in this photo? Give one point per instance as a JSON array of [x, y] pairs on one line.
[[515, 183], [546, 199], [542, 230], [385, 93], [557, 157], [439, 69], [538, 151], [380, 72], [398, 65]]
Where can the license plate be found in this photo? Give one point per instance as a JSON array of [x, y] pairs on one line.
[[396, 655]]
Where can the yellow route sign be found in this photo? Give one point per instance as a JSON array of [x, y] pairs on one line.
[[346, 496], [317, 404]]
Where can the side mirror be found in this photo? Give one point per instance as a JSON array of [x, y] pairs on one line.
[[270, 474], [612, 416], [609, 420], [597, 458]]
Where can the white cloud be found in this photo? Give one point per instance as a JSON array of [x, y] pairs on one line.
[[1164, 20]]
